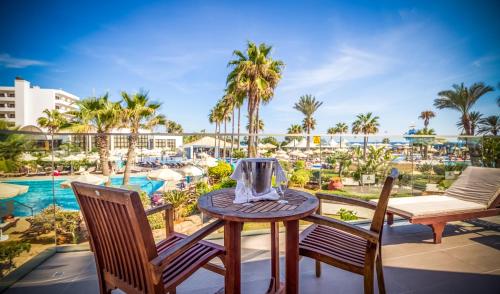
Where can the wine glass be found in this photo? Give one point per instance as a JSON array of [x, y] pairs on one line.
[[281, 191]]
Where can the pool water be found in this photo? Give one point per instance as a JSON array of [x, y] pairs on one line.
[[39, 195]]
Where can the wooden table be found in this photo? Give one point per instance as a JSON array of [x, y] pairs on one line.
[[219, 204]]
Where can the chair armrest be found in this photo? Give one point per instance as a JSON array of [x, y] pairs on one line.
[[159, 263], [343, 226], [347, 200], [169, 216], [159, 208]]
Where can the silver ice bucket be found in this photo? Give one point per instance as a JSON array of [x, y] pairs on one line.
[[258, 173]]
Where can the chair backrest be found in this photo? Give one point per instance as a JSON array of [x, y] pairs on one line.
[[120, 235], [379, 215], [477, 184]]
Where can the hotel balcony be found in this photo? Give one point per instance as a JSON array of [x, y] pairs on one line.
[[44, 242]]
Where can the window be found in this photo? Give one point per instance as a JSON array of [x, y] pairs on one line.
[[12, 115], [171, 144], [142, 142], [58, 107], [11, 95], [12, 105], [2, 104], [2, 115], [120, 142], [160, 143], [58, 98]]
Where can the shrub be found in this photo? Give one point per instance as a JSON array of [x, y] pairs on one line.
[[285, 165], [190, 209], [10, 250], [227, 183], [299, 178], [424, 168], [220, 171], [202, 188], [300, 164], [445, 184], [239, 153], [347, 215], [177, 199], [438, 169]]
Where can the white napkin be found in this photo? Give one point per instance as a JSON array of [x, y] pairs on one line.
[[243, 191]]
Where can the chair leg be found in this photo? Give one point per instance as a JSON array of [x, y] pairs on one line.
[[380, 274], [390, 219], [318, 269], [437, 230], [368, 282]]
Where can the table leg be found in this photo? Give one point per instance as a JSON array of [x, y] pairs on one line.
[[275, 257], [232, 243], [292, 257]]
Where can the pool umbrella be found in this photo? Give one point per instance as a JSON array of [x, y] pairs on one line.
[[86, 178], [27, 157], [280, 152], [208, 162], [49, 158], [191, 170], [164, 174], [309, 152], [11, 190], [295, 153], [282, 157]]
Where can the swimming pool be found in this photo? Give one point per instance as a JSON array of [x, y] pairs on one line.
[[39, 195]]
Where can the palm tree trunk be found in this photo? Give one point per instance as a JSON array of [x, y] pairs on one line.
[[232, 133], [102, 145], [239, 122], [225, 131], [308, 142], [251, 125], [217, 129], [365, 143], [132, 144], [257, 128]]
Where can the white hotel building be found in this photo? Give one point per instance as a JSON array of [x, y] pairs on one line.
[[23, 104]]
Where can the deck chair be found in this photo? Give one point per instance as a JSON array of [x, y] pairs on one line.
[[125, 253], [347, 246], [476, 193]]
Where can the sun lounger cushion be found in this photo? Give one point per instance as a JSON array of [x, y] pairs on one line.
[[432, 204], [476, 184]]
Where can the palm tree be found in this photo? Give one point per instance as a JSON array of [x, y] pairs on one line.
[[426, 115], [101, 115], [462, 99], [425, 141], [226, 107], [259, 125], [490, 125], [53, 120], [474, 118], [341, 128], [308, 105], [254, 75], [214, 119], [294, 129], [173, 127], [365, 124], [138, 113]]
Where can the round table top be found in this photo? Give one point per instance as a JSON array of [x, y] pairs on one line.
[[219, 204]]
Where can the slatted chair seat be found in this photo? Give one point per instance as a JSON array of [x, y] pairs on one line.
[[342, 249], [189, 261]]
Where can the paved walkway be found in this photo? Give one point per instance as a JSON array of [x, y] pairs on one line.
[[468, 261]]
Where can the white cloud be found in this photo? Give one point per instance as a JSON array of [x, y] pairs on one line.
[[348, 64], [12, 62]]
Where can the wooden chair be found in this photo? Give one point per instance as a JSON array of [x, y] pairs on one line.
[[125, 253], [347, 246]]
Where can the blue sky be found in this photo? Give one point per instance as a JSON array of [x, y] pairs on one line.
[[387, 57]]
